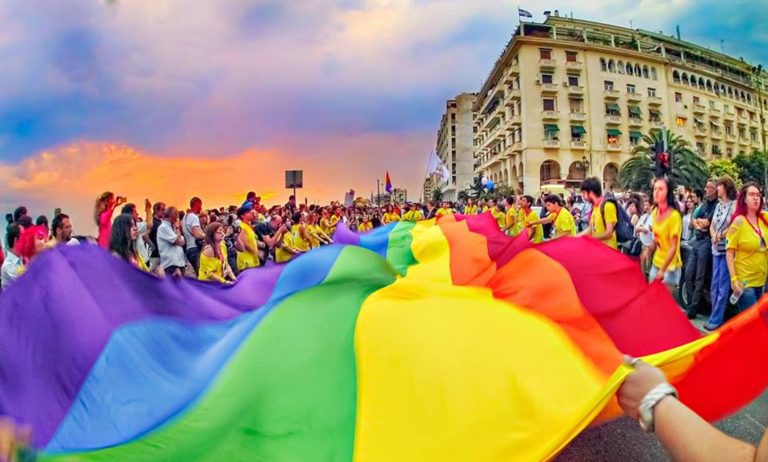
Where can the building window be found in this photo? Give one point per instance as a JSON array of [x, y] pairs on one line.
[[576, 105], [608, 85], [546, 78], [678, 97], [620, 67], [753, 135], [651, 92], [549, 104], [727, 108], [612, 109], [603, 64], [629, 69], [645, 72], [545, 53], [712, 105], [571, 56], [701, 148], [577, 133], [634, 138], [611, 66], [635, 112], [728, 129], [613, 136], [742, 133], [696, 100], [654, 115], [681, 121], [676, 76], [729, 152], [630, 89], [573, 81], [550, 132]]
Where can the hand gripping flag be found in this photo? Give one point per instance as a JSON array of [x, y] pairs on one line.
[[439, 340]]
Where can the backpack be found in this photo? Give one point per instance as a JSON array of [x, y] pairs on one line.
[[624, 230]]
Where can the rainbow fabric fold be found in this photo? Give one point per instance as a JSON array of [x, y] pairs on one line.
[[432, 341]]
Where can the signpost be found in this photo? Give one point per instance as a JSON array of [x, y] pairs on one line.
[[294, 179]]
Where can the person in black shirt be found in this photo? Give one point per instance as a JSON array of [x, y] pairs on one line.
[[700, 260]]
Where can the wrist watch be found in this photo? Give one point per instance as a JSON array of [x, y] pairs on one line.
[[650, 401]]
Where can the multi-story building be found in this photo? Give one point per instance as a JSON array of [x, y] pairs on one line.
[[571, 98], [455, 144], [429, 185], [400, 195]]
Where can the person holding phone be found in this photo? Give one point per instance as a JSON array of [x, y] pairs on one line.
[[102, 215]]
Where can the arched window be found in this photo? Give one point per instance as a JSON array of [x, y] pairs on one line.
[[638, 72], [730, 92], [611, 66], [722, 89], [709, 85], [743, 98], [685, 78], [603, 64], [629, 69], [645, 72], [749, 98], [702, 85], [620, 67], [653, 73], [675, 76], [693, 80]]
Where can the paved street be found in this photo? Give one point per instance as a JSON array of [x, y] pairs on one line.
[[623, 440]]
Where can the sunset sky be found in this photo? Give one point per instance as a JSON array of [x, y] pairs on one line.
[[166, 99]]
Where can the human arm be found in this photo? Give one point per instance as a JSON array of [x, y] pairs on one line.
[[148, 213], [209, 271], [685, 435], [730, 253]]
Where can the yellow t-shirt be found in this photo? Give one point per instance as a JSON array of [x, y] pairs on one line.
[[282, 255], [333, 222], [325, 225], [663, 232], [298, 241], [441, 211], [597, 223], [751, 261], [470, 210], [247, 260], [210, 266], [390, 217], [511, 218], [538, 231], [365, 226], [563, 222], [485, 209], [500, 217], [413, 215]]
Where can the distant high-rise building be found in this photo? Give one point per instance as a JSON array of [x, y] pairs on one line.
[[455, 144]]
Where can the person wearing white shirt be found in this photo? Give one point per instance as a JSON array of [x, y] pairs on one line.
[[170, 244], [61, 228], [13, 265], [193, 232]]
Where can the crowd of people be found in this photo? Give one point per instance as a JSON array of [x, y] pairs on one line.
[[722, 230]]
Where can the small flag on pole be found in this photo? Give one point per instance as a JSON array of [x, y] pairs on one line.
[[524, 13], [388, 184]]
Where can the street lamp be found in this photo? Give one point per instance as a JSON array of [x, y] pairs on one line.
[[586, 164], [756, 71]]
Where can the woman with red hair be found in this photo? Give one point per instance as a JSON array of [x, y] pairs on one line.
[[746, 251]]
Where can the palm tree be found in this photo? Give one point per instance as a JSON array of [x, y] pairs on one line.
[[688, 168]]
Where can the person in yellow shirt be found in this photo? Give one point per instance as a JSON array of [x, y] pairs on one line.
[[482, 206], [512, 217], [498, 214], [213, 257], [365, 225], [604, 216], [745, 249], [287, 248], [334, 220], [470, 208], [316, 235], [325, 222], [301, 238], [561, 219], [445, 209], [667, 228], [535, 231], [390, 215], [413, 213], [247, 243]]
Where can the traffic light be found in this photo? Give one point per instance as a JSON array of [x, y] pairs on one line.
[[662, 164]]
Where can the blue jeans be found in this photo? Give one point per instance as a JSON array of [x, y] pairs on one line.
[[749, 298], [721, 288]]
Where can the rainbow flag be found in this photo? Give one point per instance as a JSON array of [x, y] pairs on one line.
[[426, 341]]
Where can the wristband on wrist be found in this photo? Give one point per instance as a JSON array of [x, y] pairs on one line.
[[649, 402]]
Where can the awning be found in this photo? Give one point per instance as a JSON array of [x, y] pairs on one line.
[[614, 132], [653, 112], [612, 107], [551, 128], [697, 121], [634, 134], [578, 130], [634, 110], [714, 124]]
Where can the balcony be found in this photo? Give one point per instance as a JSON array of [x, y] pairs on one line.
[[744, 141], [654, 101], [514, 69], [574, 66], [717, 135], [578, 116], [636, 97], [551, 144], [516, 120], [657, 124], [575, 90], [730, 138], [548, 87], [700, 132], [635, 122], [550, 115], [517, 147], [729, 115], [613, 147], [578, 145], [699, 109], [513, 94], [611, 94], [714, 113], [613, 119], [547, 63], [510, 79]]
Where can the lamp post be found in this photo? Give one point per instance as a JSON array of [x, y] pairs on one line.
[[756, 71]]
